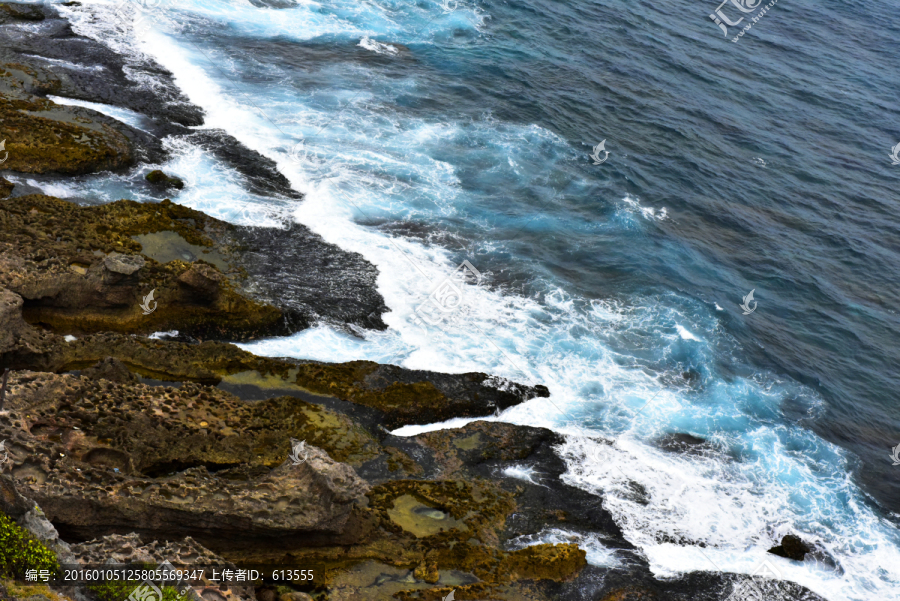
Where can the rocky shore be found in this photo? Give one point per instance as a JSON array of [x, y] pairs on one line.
[[125, 446]]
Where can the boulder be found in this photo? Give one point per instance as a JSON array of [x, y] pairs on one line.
[[160, 180], [792, 547]]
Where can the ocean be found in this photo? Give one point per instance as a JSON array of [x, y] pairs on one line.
[[428, 134]]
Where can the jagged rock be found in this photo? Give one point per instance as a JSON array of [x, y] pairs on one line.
[[791, 547], [111, 369], [182, 554], [123, 264], [45, 137], [161, 180], [191, 461], [80, 270], [687, 444], [19, 341], [203, 280]]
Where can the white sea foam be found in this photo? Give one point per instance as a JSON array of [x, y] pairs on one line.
[[685, 333], [124, 115], [378, 47], [522, 472]]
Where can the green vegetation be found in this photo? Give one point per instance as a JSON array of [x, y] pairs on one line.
[[120, 590], [20, 551]]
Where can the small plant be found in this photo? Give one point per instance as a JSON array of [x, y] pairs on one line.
[[20, 551], [114, 590]]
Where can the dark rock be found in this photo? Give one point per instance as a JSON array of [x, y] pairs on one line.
[[111, 369], [99, 74], [6, 187], [261, 175], [681, 442], [21, 12], [791, 547], [161, 180]]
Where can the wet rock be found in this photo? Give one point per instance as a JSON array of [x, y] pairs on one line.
[[44, 137], [163, 181], [681, 442], [6, 187], [792, 547], [80, 270], [86, 69], [20, 12], [111, 369]]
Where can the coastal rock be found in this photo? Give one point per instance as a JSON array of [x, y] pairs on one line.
[[104, 458], [80, 269], [161, 180], [123, 264], [45, 137], [203, 280], [20, 343], [86, 69], [111, 369], [791, 547], [185, 553], [687, 444], [6, 187]]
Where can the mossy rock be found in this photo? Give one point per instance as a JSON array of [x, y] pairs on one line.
[[161, 180], [73, 281], [20, 551], [44, 137]]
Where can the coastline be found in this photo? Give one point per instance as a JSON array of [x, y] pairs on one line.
[[451, 472]]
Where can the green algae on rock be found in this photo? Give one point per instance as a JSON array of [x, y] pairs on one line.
[[80, 270], [160, 179], [45, 137]]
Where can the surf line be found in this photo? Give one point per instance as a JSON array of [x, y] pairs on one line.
[[758, 16]]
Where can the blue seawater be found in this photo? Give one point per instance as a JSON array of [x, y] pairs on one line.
[[429, 133]]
